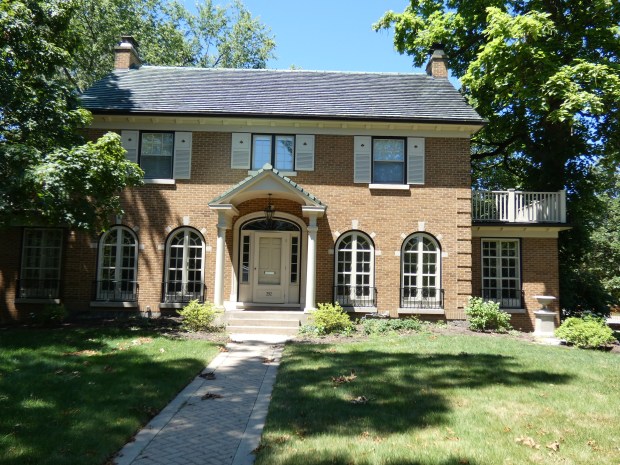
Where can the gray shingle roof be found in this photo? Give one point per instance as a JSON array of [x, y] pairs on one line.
[[276, 93]]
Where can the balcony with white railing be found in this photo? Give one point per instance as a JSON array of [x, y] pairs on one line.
[[514, 206]]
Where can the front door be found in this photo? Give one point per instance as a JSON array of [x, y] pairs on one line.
[[270, 260]]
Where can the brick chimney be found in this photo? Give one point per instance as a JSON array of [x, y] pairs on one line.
[[438, 63], [126, 54]]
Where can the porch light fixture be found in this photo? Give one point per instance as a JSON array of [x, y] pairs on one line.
[[269, 211]]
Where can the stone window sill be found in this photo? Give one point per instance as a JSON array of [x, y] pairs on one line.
[[37, 301], [514, 311], [421, 311], [389, 187], [96, 303], [288, 174], [160, 181]]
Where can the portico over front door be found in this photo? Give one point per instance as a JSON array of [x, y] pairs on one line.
[[270, 267]]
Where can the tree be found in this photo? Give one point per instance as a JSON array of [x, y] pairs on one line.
[[168, 34], [46, 176], [546, 75]]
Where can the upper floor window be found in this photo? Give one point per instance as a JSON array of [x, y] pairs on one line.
[[41, 260], [162, 155], [285, 152], [279, 151], [388, 161], [156, 154]]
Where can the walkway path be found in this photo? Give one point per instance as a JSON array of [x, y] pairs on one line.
[[199, 428]]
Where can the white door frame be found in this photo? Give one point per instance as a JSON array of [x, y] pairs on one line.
[[231, 304], [271, 293]]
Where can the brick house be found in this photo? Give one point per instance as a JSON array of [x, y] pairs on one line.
[[281, 189]]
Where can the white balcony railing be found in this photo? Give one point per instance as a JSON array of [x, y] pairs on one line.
[[513, 206]]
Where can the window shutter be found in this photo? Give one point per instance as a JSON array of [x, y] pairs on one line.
[[304, 153], [182, 155], [362, 161], [129, 140], [415, 160], [241, 148]]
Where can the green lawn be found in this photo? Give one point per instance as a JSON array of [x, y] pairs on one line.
[[75, 396], [442, 400]]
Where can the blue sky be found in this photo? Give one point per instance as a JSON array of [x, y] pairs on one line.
[[330, 35]]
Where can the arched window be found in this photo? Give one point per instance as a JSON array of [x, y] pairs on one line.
[[184, 274], [421, 272], [118, 265], [354, 276]]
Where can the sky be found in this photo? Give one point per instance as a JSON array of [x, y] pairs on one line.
[[333, 35]]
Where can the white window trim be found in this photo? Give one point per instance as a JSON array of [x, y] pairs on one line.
[[171, 156], [403, 163], [354, 266], [118, 259], [391, 187], [160, 181], [184, 270], [272, 156], [288, 174], [23, 268], [438, 269], [518, 270]]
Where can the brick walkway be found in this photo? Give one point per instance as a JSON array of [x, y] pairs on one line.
[[214, 431]]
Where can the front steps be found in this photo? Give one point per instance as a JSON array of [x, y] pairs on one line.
[[285, 323]]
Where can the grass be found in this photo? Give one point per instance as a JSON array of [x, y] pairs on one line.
[[75, 396], [443, 400]]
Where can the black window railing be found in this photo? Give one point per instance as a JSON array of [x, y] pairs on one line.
[[421, 297], [174, 292], [115, 291], [355, 296], [31, 288], [506, 298]]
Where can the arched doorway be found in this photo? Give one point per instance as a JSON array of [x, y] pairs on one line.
[[269, 261]]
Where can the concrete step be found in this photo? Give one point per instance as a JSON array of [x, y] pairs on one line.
[[262, 330], [265, 315], [263, 322]]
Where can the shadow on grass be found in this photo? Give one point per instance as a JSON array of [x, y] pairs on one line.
[[343, 458], [58, 406], [405, 391]]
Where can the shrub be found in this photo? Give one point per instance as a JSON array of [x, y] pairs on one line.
[[379, 326], [588, 332], [199, 317], [50, 315], [485, 315], [330, 318]]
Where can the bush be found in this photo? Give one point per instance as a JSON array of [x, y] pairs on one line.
[[379, 326], [199, 317], [589, 332], [330, 318], [50, 315], [485, 315]]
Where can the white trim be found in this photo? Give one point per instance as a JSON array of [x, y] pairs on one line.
[[390, 187], [421, 311], [288, 174], [160, 181], [284, 126], [512, 231]]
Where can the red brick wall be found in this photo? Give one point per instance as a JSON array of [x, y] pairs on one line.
[[443, 204]]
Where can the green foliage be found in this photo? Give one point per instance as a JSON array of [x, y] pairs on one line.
[[329, 318], [168, 34], [485, 315], [385, 325], [545, 75], [46, 176], [589, 332], [50, 315], [199, 317]]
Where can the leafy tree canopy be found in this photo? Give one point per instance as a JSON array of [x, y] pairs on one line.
[[46, 177], [168, 34], [546, 76]]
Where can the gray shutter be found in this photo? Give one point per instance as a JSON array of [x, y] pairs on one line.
[[129, 141], [415, 160], [241, 147], [362, 159], [304, 152], [182, 155]]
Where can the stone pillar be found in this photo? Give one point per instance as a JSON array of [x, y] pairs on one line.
[[545, 318]]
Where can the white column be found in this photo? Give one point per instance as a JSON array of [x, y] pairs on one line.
[[225, 214], [218, 291], [311, 266]]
